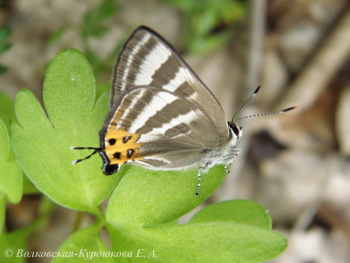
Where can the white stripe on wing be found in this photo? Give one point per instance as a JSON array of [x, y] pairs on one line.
[[131, 56], [152, 62], [157, 103]]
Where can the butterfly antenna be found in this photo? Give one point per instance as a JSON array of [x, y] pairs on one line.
[[96, 150], [245, 103], [265, 114]]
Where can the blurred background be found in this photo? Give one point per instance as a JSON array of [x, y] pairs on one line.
[[295, 164]]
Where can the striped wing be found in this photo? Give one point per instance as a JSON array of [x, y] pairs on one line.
[[157, 128], [146, 59]]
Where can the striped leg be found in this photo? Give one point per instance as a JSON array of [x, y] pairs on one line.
[[200, 177], [230, 159], [226, 166]]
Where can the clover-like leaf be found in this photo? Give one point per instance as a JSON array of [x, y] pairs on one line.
[[10, 171], [85, 244], [212, 236], [7, 108], [42, 140], [238, 211], [146, 197], [144, 201], [7, 114]]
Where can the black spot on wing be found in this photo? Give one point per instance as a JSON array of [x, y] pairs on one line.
[[117, 155], [112, 141], [126, 138], [130, 153]]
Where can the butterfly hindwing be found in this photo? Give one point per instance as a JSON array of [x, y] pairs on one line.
[[158, 127]]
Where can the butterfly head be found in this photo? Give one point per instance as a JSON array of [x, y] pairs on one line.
[[107, 167], [236, 130]]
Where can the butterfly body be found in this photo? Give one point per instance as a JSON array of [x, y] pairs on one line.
[[168, 140], [162, 116]]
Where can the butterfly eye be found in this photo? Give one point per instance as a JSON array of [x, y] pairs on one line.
[[235, 129]]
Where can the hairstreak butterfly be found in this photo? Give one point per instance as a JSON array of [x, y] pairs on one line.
[[162, 116]]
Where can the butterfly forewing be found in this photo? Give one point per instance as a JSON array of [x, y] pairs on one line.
[[146, 59]]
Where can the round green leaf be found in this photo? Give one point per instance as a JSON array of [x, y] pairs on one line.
[[238, 211], [200, 242], [42, 142], [146, 197]]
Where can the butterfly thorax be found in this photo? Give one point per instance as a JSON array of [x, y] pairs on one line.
[[226, 152]]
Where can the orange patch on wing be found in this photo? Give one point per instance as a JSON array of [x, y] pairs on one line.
[[121, 146]]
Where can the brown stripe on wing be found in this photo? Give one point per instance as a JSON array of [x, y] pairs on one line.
[[185, 90], [134, 51], [165, 72], [139, 106]]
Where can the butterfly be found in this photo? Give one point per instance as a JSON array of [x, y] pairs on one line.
[[161, 115]]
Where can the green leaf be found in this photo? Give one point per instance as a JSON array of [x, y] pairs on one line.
[[7, 108], [42, 143], [3, 69], [85, 244], [204, 19], [107, 9], [5, 33], [200, 242], [10, 171], [144, 201], [13, 246], [238, 211], [102, 88], [206, 44], [7, 114], [2, 212], [57, 36], [28, 186], [93, 24], [155, 197], [4, 47], [231, 231]]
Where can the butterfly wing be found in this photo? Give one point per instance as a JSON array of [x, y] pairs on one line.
[[156, 128], [147, 59]]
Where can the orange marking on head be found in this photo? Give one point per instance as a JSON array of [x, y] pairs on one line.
[[118, 142]]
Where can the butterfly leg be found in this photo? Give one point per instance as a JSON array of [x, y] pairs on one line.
[[226, 166], [200, 177], [230, 158]]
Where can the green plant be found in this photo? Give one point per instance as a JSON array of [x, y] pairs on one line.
[[94, 26], [5, 33], [209, 24], [143, 205]]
